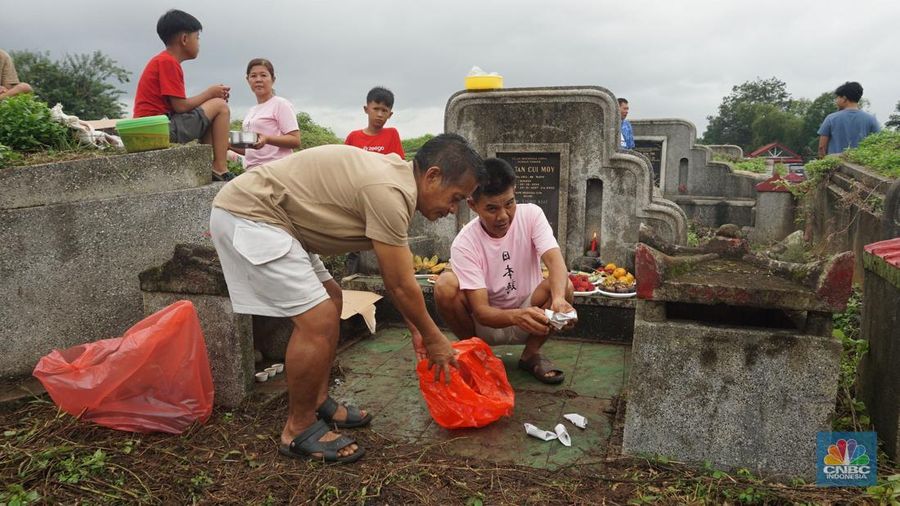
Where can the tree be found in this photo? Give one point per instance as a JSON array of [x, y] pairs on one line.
[[312, 134], [410, 146], [82, 83], [738, 110], [772, 124], [893, 121], [822, 106]]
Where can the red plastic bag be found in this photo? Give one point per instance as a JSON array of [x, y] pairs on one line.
[[478, 393], [156, 377]]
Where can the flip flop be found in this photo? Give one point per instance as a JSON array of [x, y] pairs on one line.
[[539, 366], [307, 443], [354, 419]]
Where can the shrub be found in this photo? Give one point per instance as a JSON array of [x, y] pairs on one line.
[[879, 152], [757, 165], [7, 156], [26, 125]]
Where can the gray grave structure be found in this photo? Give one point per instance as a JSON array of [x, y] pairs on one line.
[[708, 191], [733, 360], [74, 235], [879, 375], [563, 142]]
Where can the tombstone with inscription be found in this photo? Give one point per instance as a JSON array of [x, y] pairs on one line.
[[562, 142]]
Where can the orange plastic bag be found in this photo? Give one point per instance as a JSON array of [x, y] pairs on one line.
[[156, 377], [478, 393]]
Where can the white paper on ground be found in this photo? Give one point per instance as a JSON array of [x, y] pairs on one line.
[[576, 419], [562, 434], [546, 435]]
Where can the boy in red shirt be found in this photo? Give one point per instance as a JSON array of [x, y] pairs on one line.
[[375, 137], [160, 90]]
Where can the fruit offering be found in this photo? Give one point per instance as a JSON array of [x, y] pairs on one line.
[[425, 265], [581, 282], [617, 280]]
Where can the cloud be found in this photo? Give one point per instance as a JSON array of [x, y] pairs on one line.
[[671, 59]]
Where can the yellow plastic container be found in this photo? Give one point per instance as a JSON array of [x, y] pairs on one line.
[[144, 134], [484, 82]]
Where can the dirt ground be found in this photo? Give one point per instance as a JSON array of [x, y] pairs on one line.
[[51, 457]]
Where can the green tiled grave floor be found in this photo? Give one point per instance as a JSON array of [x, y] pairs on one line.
[[380, 377]]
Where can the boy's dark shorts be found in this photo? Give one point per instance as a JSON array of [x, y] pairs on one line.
[[187, 126]]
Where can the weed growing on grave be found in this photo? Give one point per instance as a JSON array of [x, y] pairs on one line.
[[887, 491], [15, 495], [879, 152], [755, 165], [850, 412], [26, 125]]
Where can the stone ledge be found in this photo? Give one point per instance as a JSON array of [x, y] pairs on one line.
[[106, 177]]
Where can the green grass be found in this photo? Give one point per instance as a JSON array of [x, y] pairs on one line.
[[755, 165], [879, 152]]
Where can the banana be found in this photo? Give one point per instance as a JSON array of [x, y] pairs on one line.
[[437, 268], [417, 263], [433, 261]]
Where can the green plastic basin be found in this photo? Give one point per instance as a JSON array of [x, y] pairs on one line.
[[144, 134]]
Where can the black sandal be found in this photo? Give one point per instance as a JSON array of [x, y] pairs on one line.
[[307, 443], [539, 366], [354, 419]]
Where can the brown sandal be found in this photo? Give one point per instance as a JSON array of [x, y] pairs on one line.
[[539, 366]]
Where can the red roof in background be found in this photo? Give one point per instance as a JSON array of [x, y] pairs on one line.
[[771, 185], [776, 151]]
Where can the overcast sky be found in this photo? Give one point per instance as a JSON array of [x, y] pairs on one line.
[[669, 58]]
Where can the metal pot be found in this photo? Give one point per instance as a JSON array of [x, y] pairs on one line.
[[241, 139]]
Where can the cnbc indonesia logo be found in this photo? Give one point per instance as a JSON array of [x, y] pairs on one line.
[[846, 460]]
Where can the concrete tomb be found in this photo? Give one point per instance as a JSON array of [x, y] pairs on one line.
[[733, 360], [563, 143]]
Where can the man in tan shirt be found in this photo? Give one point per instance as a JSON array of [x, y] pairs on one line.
[[270, 224], [9, 80]]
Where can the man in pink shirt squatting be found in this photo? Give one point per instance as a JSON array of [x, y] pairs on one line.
[[496, 290]]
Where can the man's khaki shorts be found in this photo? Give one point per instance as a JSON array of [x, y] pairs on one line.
[[505, 335], [267, 271]]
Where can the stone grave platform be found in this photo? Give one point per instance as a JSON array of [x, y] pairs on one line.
[[379, 375]]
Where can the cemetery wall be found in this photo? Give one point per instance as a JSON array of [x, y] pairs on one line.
[[70, 259]]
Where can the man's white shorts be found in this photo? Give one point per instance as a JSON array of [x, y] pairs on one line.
[[267, 271], [506, 335]]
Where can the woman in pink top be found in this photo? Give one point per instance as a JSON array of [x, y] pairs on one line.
[[272, 117]]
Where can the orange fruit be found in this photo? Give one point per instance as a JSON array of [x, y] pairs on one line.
[[620, 272], [628, 279], [610, 267]]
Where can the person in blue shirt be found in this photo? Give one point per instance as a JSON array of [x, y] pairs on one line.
[[626, 138], [849, 125]]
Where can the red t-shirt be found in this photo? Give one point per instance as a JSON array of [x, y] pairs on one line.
[[387, 141], [161, 77]]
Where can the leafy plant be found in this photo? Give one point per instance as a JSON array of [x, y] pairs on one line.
[[851, 413], [410, 146], [7, 156], [26, 125], [757, 165], [887, 491], [16, 495], [74, 470], [879, 152], [313, 134]]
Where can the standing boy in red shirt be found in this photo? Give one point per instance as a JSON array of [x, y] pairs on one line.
[[161, 90], [375, 137]]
